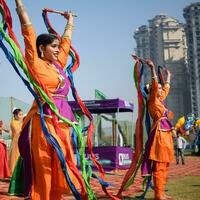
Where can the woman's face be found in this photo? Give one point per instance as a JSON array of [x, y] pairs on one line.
[[51, 51], [19, 116], [159, 90]]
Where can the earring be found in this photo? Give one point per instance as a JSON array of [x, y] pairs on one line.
[[42, 54]]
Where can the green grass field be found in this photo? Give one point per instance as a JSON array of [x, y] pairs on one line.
[[182, 188]]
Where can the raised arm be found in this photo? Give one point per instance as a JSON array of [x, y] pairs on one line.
[[66, 39], [166, 86], [70, 25], [29, 35], [153, 71], [154, 80], [23, 15]]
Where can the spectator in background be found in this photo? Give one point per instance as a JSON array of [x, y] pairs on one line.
[[2, 128], [4, 170], [180, 146], [15, 126]]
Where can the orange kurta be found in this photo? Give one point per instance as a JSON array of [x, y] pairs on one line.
[[15, 126], [48, 179], [162, 148]]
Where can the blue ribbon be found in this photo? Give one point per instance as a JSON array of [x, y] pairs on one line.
[[51, 140]]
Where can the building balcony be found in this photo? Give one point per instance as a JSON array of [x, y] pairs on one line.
[[172, 41], [171, 27], [172, 45]]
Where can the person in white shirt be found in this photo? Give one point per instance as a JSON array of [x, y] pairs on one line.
[[180, 146]]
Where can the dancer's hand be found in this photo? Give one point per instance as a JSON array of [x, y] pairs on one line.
[[68, 15], [138, 58], [168, 73], [150, 63], [135, 57]]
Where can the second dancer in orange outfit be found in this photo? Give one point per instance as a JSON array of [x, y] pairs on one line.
[[159, 152]]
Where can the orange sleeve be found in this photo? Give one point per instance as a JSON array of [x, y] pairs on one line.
[[31, 55], [64, 52], [165, 91], [29, 35]]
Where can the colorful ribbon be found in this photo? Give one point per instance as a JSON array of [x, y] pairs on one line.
[[70, 69], [137, 155], [142, 111], [19, 58]]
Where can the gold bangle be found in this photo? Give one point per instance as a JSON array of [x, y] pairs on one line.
[[70, 24], [167, 82], [69, 27], [26, 25], [154, 77], [66, 37], [20, 9]]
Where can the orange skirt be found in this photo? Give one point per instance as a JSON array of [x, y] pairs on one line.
[[47, 175]]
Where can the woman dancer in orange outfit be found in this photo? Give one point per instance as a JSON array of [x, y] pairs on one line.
[[44, 179], [159, 150], [15, 125]]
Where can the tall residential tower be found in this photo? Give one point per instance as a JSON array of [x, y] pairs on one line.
[[191, 14]]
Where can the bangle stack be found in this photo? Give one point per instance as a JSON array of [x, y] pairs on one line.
[[69, 27], [66, 37], [26, 25]]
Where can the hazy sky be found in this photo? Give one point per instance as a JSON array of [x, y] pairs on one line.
[[103, 37]]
